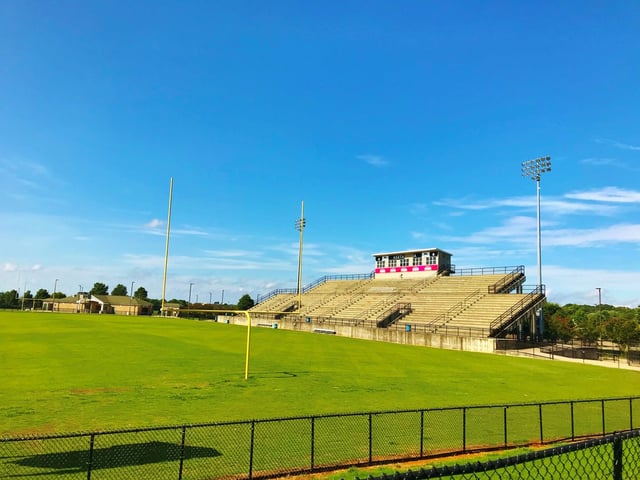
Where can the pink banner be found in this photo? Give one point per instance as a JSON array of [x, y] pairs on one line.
[[417, 268]]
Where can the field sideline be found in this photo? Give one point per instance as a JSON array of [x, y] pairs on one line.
[[68, 373]]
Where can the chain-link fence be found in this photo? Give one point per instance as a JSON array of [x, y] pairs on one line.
[[276, 447], [615, 457]]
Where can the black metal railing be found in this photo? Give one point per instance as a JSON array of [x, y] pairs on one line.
[[487, 270], [513, 313], [393, 314], [513, 278], [315, 283], [282, 446], [614, 457]]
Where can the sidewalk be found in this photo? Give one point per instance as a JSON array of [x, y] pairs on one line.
[[536, 353]]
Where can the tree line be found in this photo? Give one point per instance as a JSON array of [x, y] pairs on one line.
[[590, 324], [12, 299]]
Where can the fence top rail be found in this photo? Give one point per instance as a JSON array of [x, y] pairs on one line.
[[490, 465], [4, 439]]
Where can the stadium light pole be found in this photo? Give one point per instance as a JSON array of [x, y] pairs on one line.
[[534, 169], [166, 250], [131, 297], [599, 289], [53, 303], [300, 224], [189, 303]]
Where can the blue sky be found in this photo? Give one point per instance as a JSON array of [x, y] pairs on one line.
[[399, 124]]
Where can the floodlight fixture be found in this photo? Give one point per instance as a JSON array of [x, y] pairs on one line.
[[533, 168]]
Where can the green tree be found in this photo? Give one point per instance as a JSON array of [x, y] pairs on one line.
[[245, 302], [42, 293], [99, 289], [623, 329], [559, 327], [9, 299], [141, 293], [119, 290], [587, 326]]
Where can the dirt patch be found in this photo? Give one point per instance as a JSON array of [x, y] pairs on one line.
[[99, 390]]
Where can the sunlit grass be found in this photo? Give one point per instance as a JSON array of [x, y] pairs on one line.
[[65, 372]]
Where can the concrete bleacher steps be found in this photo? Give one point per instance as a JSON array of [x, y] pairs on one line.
[[438, 302]]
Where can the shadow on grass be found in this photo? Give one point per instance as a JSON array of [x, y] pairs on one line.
[[117, 456]]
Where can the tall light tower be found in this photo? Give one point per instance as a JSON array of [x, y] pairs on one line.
[[300, 224], [534, 169], [53, 304], [131, 297], [189, 304], [166, 250]]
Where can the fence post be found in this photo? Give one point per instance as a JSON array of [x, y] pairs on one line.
[[504, 420], [464, 429], [617, 458], [313, 441], [92, 440], [370, 438], [253, 434], [573, 429], [182, 441], [421, 433], [630, 413], [604, 428], [540, 422]]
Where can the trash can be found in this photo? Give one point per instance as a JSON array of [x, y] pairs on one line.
[[407, 328], [275, 325]]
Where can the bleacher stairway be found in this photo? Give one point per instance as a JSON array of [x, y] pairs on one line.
[[483, 304]]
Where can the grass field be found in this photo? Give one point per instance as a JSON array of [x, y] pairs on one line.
[[65, 373]]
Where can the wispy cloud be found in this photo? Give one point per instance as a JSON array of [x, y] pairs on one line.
[[619, 286], [611, 235], [155, 223], [374, 160], [556, 206], [609, 162], [607, 194], [620, 145], [21, 174]]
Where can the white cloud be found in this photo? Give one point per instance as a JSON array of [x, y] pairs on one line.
[[155, 223], [374, 160], [551, 205], [614, 234], [9, 267], [620, 145], [576, 285], [607, 194]]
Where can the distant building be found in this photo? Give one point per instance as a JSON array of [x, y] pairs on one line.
[[426, 262], [85, 302], [171, 310]]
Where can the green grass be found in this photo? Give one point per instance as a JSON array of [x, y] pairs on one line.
[[64, 373]]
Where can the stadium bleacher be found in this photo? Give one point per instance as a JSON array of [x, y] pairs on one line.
[[477, 304]]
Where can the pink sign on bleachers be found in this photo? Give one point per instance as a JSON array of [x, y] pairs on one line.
[[417, 268]]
